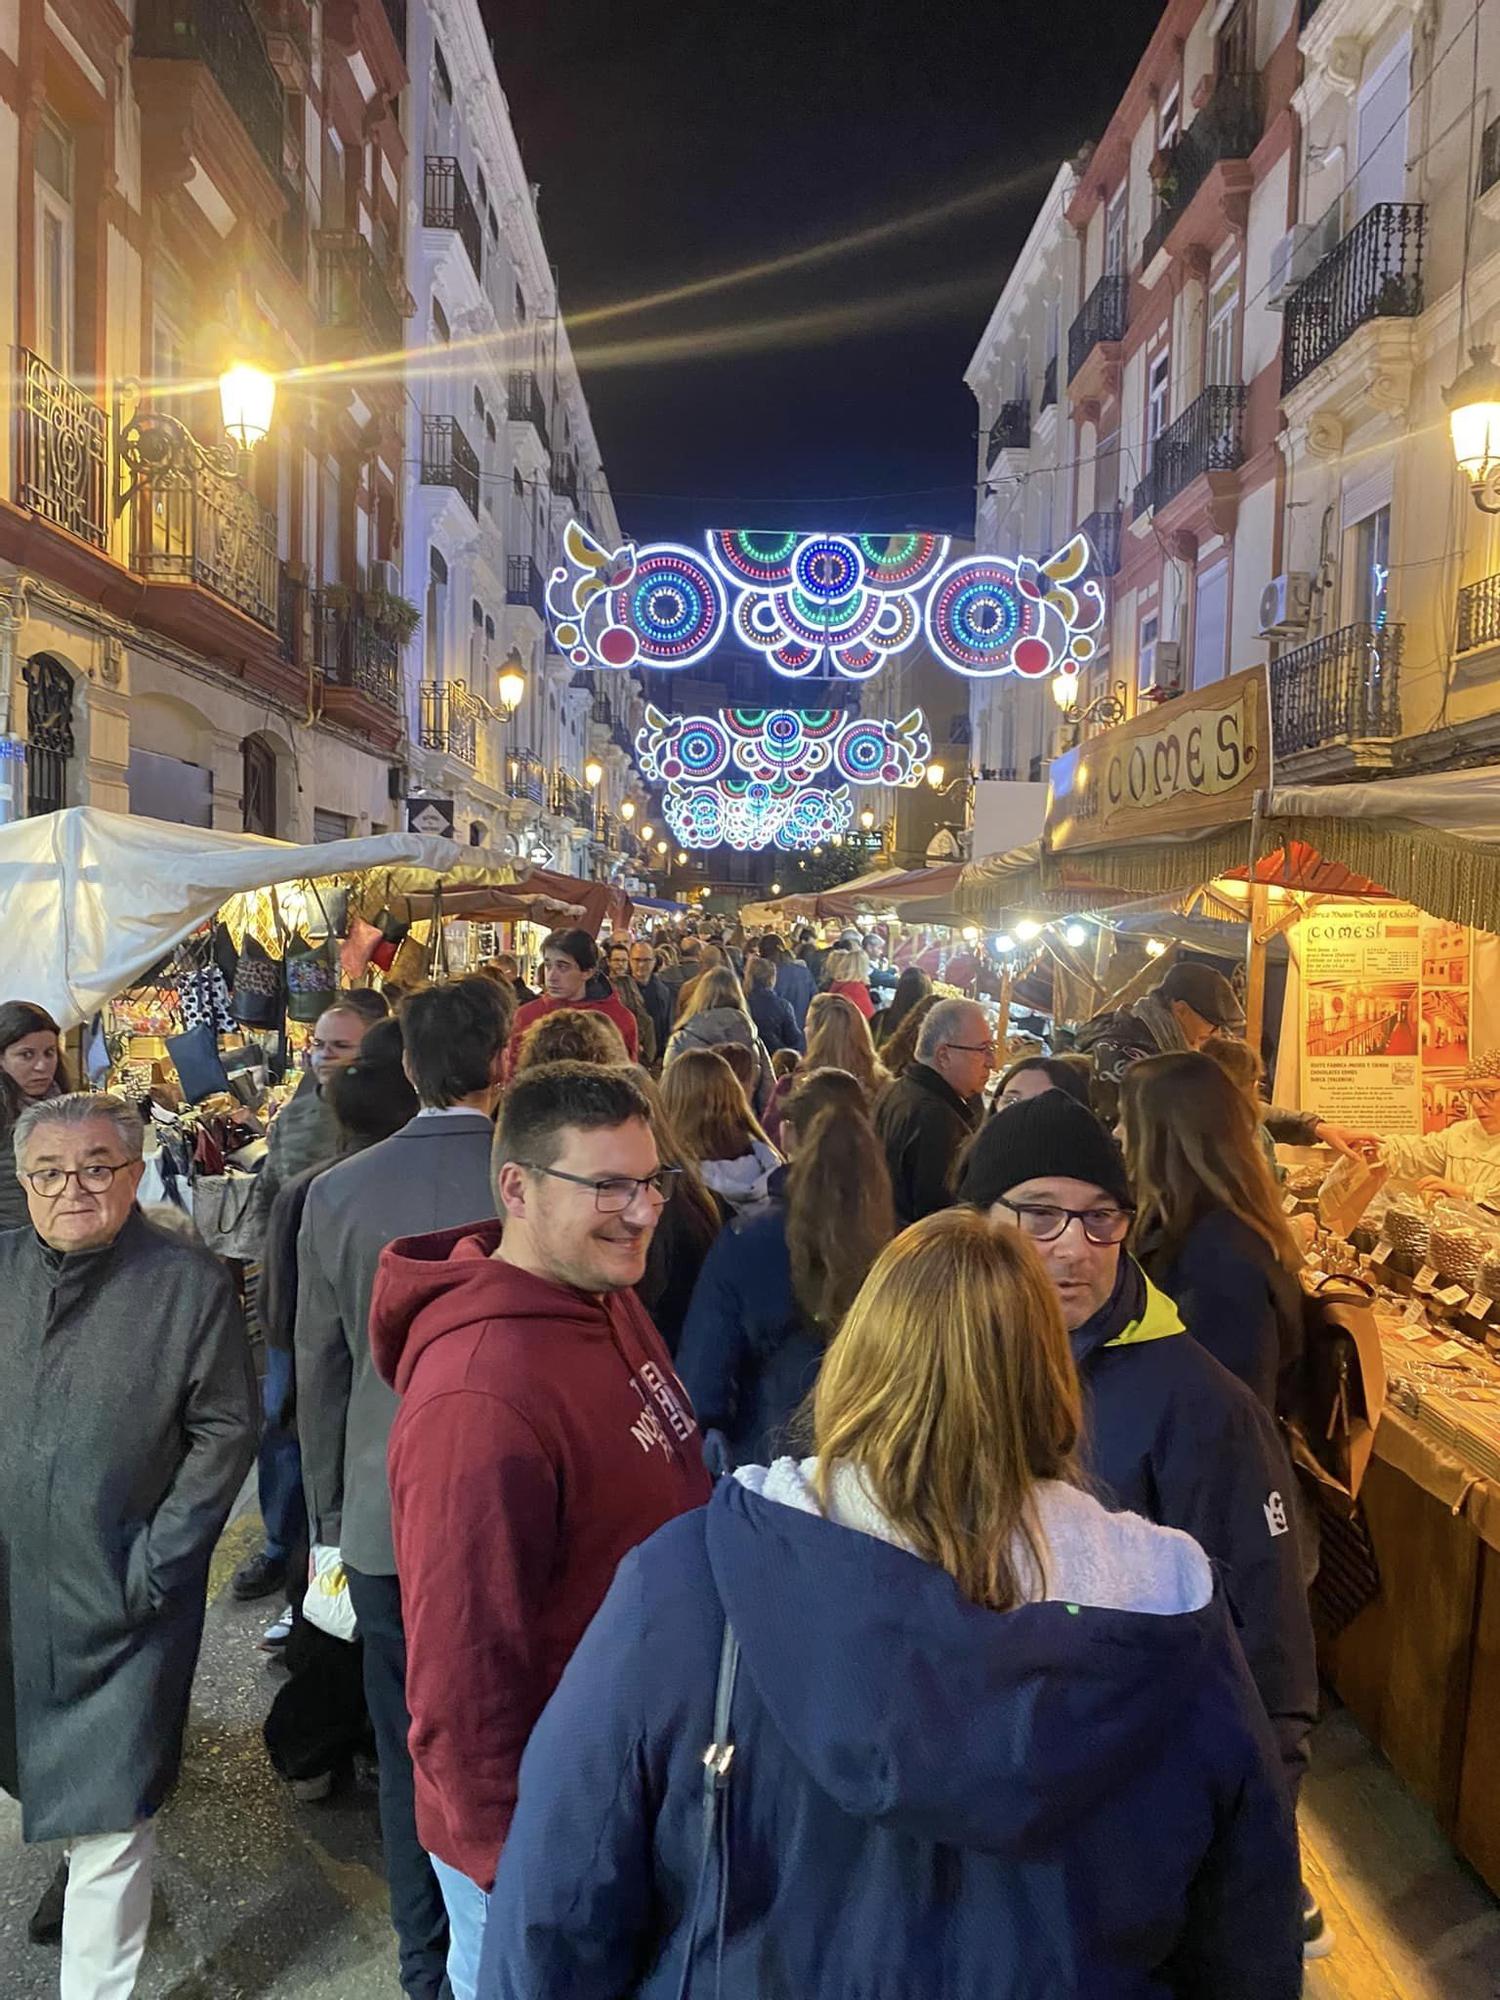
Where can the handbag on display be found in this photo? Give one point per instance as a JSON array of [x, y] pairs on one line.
[[393, 931], [409, 965], [203, 996], [195, 1057], [359, 947], [312, 978], [257, 987], [224, 1214]]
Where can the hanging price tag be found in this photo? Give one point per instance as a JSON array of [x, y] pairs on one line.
[[1425, 1279]]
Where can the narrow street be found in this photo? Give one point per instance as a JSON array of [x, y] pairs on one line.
[[258, 1898]]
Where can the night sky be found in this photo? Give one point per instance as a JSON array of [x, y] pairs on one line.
[[680, 140]]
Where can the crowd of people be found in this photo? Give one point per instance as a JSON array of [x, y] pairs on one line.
[[815, 1511]]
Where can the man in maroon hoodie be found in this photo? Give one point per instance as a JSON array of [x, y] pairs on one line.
[[541, 1435]]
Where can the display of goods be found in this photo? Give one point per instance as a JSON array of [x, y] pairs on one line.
[[1348, 1190], [1305, 1180], [1405, 1226], [1489, 1274], [1459, 1241]]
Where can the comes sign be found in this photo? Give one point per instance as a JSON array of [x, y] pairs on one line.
[[1191, 764]]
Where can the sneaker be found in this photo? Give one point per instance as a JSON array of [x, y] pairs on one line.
[[259, 1577], [1317, 1933], [312, 1791], [44, 1926], [274, 1638]]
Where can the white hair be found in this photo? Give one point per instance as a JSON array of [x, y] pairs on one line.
[[943, 1024], [83, 1108]]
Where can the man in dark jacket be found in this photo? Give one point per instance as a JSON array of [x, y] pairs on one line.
[[433, 1173], [542, 1434], [929, 1115], [1169, 1431], [617, 967], [774, 1020], [129, 1402], [654, 994], [794, 981]]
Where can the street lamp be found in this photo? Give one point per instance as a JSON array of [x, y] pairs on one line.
[[593, 771], [627, 810], [647, 831], [867, 819], [935, 776], [775, 888], [661, 847], [511, 686], [681, 859], [247, 401], [155, 446], [1474, 425]]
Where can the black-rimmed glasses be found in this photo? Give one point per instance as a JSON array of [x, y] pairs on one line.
[[1044, 1222], [614, 1193], [95, 1178]]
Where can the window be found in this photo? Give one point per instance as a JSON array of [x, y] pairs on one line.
[[441, 77], [1232, 46], [1107, 472], [1371, 551], [1146, 652], [258, 787], [1169, 118], [518, 484], [1211, 625], [49, 734], [482, 185], [1381, 133], [520, 305], [494, 229], [1158, 388], [1114, 233], [437, 593], [439, 321], [1221, 361], [478, 405], [168, 364], [54, 245], [476, 611]]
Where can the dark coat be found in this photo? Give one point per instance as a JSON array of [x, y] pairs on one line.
[[774, 1020], [927, 1798], [658, 1002], [304, 1134], [794, 984], [130, 1420], [683, 1237], [1236, 1299], [1171, 1434], [924, 1125]]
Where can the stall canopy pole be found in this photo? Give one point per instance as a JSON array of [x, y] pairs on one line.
[[1257, 938]]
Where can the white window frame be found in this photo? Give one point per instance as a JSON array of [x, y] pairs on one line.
[[1169, 118], [55, 207], [1221, 359], [1145, 652], [1158, 400], [1116, 227]]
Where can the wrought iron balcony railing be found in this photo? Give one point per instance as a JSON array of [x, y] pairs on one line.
[[1103, 531], [448, 460], [1207, 437], [1479, 615], [1011, 430], [292, 596], [1374, 272], [523, 583], [1102, 317], [1225, 129], [355, 292], [447, 204], [526, 404], [207, 529], [353, 652], [1049, 386], [450, 720], [62, 451], [526, 777], [573, 801], [1489, 157], [224, 37], [1342, 688]]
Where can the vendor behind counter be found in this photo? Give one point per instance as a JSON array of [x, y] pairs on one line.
[[1463, 1159]]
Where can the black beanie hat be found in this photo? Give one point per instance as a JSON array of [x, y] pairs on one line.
[[1042, 1138]]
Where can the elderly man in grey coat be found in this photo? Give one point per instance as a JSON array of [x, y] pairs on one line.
[[130, 1423]]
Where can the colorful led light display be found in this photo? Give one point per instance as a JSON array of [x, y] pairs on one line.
[[830, 602]]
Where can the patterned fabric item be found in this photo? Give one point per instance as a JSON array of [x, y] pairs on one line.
[[257, 987], [203, 996], [311, 978]]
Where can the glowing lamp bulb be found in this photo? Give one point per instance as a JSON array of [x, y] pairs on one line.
[[511, 688], [247, 399], [661, 847], [1065, 690], [1027, 929], [593, 771], [1076, 936], [1154, 947], [867, 819], [681, 859], [1004, 944], [1474, 416], [627, 809], [647, 831], [775, 888], [971, 934], [935, 776]]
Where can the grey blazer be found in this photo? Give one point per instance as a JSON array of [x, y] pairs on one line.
[[432, 1174]]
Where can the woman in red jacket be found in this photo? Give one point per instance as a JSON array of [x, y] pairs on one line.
[[848, 975]]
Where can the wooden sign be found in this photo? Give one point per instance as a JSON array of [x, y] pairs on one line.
[[1192, 764]]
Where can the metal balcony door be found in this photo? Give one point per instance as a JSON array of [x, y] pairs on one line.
[[1380, 134]]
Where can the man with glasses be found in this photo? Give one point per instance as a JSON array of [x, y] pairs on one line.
[[1464, 1159], [1169, 1432], [542, 1434], [129, 1425], [930, 1113]]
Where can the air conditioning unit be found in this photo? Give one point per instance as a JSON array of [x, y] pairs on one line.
[[1299, 253], [1286, 605], [386, 576], [1165, 671]]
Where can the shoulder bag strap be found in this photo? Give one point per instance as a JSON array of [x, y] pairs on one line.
[[717, 1760]]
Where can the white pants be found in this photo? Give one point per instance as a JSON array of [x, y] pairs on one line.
[[107, 1913]]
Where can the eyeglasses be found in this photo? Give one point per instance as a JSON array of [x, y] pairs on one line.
[[1044, 1224], [1484, 1093], [972, 1048], [614, 1195], [95, 1178]]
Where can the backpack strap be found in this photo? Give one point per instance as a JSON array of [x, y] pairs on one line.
[[719, 1755]]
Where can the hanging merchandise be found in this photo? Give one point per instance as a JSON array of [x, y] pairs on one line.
[[195, 1056], [393, 931], [312, 972], [256, 1001], [359, 948], [204, 997]]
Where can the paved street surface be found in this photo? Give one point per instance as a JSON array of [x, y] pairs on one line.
[[261, 1899]]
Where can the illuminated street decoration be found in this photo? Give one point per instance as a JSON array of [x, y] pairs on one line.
[[826, 602], [748, 814]]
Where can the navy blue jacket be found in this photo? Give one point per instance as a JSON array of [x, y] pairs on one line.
[[1174, 1436], [926, 1798], [1236, 1299], [774, 1019], [795, 984], [747, 1358]]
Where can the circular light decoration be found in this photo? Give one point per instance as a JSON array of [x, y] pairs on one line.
[[901, 562], [673, 605], [753, 556], [828, 569]]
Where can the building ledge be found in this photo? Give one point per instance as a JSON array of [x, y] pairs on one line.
[[1221, 202], [1369, 375], [1352, 758]]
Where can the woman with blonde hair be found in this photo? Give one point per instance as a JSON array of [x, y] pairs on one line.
[[838, 1037], [847, 973], [1209, 1225], [717, 1129], [914, 1714], [718, 1012]]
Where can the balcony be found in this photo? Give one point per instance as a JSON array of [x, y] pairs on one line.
[[525, 403], [1226, 129], [210, 530], [1478, 615], [293, 603], [357, 305], [1103, 531], [1375, 272], [1207, 437], [221, 35], [565, 478], [447, 204], [62, 451], [1101, 321], [448, 460], [1049, 386], [356, 659], [450, 720], [526, 777], [573, 801], [1011, 431], [523, 583], [1342, 690]]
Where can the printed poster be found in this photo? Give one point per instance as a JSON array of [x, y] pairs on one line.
[[1385, 1015]]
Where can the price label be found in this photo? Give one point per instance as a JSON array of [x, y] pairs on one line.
[[1480, 1306], [1451, 1350], [1381, 1253], [1289, 1203], [1425, 1279], [1451, 1295], [1413, 1315]]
